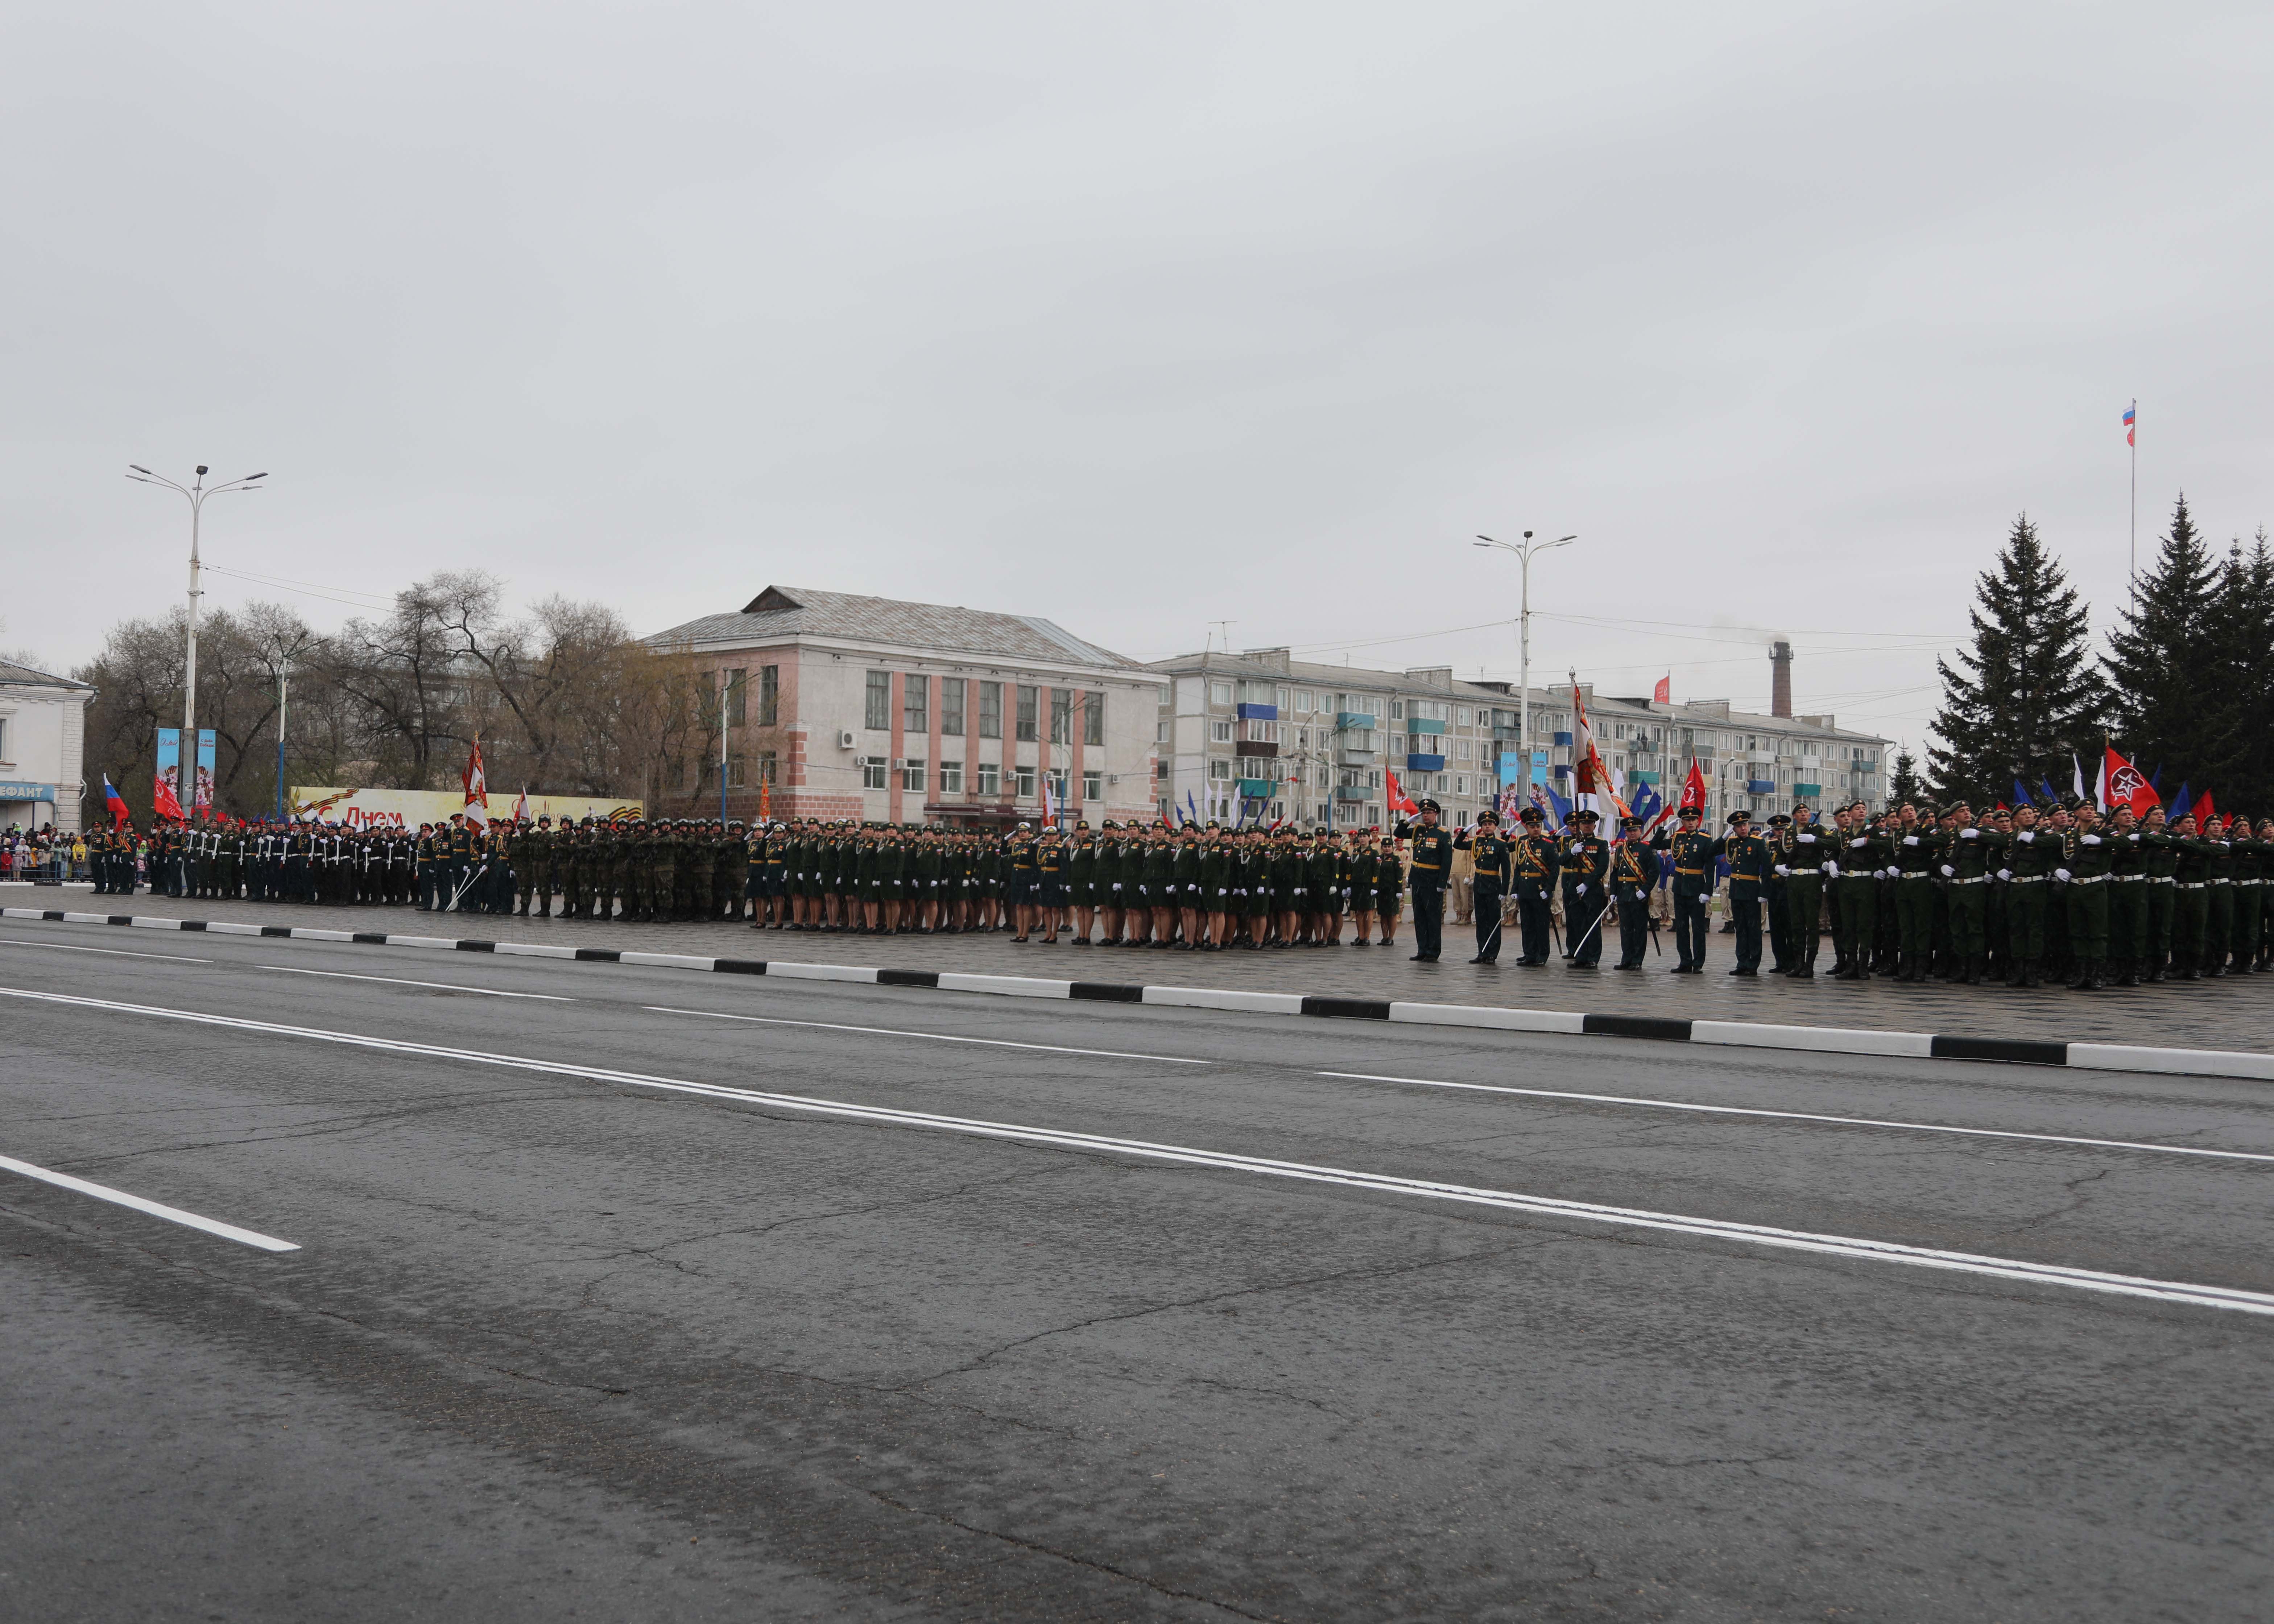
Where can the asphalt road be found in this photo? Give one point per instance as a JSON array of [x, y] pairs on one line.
[[879, 1302]]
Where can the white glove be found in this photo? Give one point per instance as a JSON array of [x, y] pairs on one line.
[[1854, 846], [2060, 874], [1582, 890], [1807, 840], [1638, 896], [1831, 870], [1782, 869], [2027, 837], [1969, 834], [1883, 874], [1116, 885], [1948, 872], [2133, 839], [2004, 873], [2089, 840], [1910, 839]]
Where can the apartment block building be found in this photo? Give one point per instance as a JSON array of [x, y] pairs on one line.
[[831, 704], [42, 748], [1259, 734]]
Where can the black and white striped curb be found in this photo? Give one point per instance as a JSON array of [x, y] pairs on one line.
[[1733, 1033]]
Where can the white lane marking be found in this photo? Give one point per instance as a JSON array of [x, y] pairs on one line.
[[397, 981], [1845, 1121], [172, 1214], [936, 1037], [1059, 1139], [112, 952]]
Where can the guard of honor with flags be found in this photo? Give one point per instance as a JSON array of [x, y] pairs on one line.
[[2104, 886]]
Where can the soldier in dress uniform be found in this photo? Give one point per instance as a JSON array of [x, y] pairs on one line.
[[1494, 871], [1691, 852], [1586, 866], [1431, 866], [1634, 873], [1534, 862]]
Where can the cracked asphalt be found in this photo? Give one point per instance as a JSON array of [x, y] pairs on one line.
[[574, 1348]]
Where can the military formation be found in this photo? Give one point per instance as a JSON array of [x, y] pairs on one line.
[[2068, 896]]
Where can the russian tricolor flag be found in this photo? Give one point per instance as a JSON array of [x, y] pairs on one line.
[[2131, 415], [115, 804]]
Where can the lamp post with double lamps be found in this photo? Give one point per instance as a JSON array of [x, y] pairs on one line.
[[1524, 551], [195, 495]]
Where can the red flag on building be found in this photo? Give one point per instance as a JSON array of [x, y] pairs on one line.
[[478, 795], [1663, 694], [2124, 784], [1398, 801]]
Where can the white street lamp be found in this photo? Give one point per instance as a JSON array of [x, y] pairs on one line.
[[1524, 551], [195, 495]]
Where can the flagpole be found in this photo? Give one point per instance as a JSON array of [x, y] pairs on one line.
[[2132, 441]]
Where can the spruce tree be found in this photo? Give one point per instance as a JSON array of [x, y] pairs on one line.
[[1904, 785], [2026, 693], [2164, 668], [2242, 630]]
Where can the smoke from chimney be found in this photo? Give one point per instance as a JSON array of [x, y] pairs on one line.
[[1780, 679]]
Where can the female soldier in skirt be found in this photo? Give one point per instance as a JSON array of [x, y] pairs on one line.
[[1389, 892]]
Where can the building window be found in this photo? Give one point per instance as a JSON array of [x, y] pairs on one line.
[[991, 778], [1219, 769], [769, 765], [951, 707], [736, 769], [1219, 693], [1461, 785], [1092, 787], [1023, 780], [1093, 718], [912, 775], [916, 706], [1161, 731], [737, 696], [1061, 716], [950, 778], [1396, 710], [991, 709], [1027, 694], [876, 711], [1305, 700], [1058, 783], [872, 771], [1220, 732], [769, 695]]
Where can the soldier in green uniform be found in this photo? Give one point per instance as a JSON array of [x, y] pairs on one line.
[[1867, 849], [2028, 855], [1535, 859], [2127, 899], [1584, 864], [1965, 866], [1689, 852], [1494, 860], [1634, 873], [1776, 896], [2086, 856], [1801, 856], [1431, 871], [1389, 890]]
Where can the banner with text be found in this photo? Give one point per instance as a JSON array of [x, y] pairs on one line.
[[406, 808]]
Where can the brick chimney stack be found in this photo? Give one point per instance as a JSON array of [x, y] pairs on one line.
[[1780, 679]]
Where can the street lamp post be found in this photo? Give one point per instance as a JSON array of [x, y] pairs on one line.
[[195, 495], [1524, 551]]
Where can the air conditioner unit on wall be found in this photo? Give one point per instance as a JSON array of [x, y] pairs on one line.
[[844, 738]]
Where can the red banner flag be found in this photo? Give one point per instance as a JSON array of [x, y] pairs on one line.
[[1663, 694], [2126, 785], [2206, 811], [478, 793], [1693, 789], [163, 802], [1398, 801]]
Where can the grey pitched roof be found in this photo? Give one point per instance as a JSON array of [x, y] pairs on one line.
[[792, 611], [12, 675]]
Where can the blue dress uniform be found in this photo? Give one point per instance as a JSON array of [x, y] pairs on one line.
[[1430, 869], [1494, 870], [1587, 863], [1634, 871], [1535, 860], [1692, 853], [1748, 857]]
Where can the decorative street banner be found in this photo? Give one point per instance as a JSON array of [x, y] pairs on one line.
[[166, 787], [410, 807], [205, 783]]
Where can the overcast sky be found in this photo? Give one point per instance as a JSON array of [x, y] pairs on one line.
[[1142, 317]]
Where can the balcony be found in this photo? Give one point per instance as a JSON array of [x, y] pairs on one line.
[[1807, 789], [1562, 738], [1258, 713], [1760, 786], [1258, 789], [1416, 724], [1425, 764], [1248, 747], [1347, 719], [1350, 792], [1355, 755]]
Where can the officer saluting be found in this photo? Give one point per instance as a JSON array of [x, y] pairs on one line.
[[1535, 860], [1431, 866], [1495, 865]]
